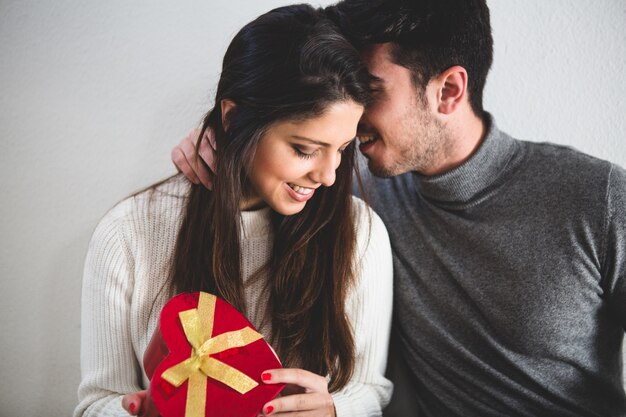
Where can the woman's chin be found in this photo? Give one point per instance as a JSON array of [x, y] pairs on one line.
[[288, 209]]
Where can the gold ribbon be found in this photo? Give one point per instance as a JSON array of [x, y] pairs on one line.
[[198, 327]]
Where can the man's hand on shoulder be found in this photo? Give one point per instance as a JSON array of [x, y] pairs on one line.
[[186, 160]]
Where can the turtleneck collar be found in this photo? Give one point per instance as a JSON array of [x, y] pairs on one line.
[[488, 163]]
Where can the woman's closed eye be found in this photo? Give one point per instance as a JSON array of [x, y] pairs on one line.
[[304, 152]]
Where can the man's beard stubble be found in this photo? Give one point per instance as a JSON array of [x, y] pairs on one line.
[[426, 149]]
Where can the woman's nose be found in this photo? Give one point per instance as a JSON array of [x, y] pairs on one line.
[[325, 172]]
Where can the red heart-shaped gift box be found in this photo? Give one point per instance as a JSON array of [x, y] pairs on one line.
[[223, 370]]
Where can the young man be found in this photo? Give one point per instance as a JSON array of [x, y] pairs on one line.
[[509, 256]]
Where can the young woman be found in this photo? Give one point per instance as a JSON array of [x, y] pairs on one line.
[[279, 237]]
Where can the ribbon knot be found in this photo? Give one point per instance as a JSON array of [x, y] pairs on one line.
[[198, 327]]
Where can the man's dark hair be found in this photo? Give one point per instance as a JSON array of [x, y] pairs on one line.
[[429, 36]]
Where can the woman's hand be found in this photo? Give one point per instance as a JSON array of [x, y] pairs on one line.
[[306, 394], [184, 157], [133, 402]]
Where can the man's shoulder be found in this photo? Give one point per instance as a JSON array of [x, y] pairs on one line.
[[565, 156], [571, 174]]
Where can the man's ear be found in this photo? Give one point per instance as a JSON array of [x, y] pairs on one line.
[[452, 89], [226, 106]]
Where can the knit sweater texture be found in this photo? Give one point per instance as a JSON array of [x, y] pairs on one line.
[[510, 282], [125, 286]]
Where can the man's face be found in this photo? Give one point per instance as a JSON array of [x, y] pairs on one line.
[[399, 132]]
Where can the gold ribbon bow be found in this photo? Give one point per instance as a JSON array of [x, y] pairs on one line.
[[198, 327]]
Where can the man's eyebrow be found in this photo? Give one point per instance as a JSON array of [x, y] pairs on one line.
[[317, 142]]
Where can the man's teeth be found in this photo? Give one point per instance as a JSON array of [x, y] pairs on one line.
[[301, 190], [365, 138]]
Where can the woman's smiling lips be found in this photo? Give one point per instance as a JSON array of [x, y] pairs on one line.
[[299, 193]]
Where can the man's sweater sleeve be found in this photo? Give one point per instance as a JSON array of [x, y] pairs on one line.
[[108, 363], [369, 309], [614, 268]]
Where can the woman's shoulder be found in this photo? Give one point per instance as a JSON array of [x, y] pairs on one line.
[[371, 232], [172, 191], [366, 217], [374, 261], [148, 211]]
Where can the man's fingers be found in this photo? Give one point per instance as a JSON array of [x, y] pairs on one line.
[[186, 159], [210, 137], [188, 148], [178, 157], [207, 153]]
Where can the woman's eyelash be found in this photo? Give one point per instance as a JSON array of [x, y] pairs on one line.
[[306, 155], [302, 154]]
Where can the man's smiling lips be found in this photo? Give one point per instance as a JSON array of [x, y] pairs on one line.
[[366, 140]]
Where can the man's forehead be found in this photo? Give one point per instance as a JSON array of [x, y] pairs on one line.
[[379, 61], [377, 52]]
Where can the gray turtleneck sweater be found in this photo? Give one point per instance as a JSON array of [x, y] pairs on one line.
[[510, 282]]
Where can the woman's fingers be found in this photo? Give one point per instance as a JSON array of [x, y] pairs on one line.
[[319, 403], [308, 380], [133, 402], [315, 401], [291, 389]]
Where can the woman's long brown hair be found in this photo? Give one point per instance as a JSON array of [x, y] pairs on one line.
[[289, 64]]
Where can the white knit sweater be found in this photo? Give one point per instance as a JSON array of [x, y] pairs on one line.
[[125, 286]]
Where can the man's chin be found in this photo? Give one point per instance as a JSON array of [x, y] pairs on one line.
[[380, 170]]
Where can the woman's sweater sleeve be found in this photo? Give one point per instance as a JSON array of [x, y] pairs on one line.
[[109, 366], [369, 310]]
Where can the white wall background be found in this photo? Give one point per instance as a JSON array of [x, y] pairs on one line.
[[93, 95]]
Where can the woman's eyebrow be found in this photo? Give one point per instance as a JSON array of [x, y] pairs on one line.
[[317, 142]]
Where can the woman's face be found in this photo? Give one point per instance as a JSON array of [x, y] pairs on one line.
[[293, 159]]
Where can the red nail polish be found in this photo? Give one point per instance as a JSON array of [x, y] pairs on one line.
[[266, 376], [131, 407], [269, 409]]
